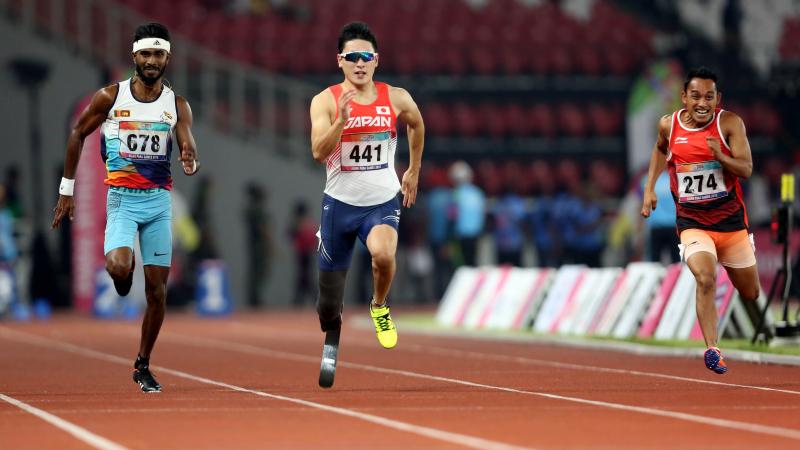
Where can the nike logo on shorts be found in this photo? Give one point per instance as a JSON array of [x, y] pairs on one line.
[[158, 254]]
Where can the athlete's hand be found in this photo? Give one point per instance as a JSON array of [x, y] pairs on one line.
[[344, 103], [409, 187], [649, 203], [713, 145], [189, 159], [64, 208]]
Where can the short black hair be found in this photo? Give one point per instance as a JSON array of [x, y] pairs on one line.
[[356, 30], [151, 30], [700, 72]]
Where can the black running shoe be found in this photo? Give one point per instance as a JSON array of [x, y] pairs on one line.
[[146, 381], [124, 287]]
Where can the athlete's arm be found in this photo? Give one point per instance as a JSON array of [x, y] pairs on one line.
[[89, 120], [409, 113], [741, 161], [658, 160], [325, 131], [183, 132]]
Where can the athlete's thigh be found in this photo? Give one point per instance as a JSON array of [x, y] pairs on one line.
[[121, 226], [382, 239], [155, 234], [337, 234], [745, 280], [387, 214], [736, 250], [695, 241]]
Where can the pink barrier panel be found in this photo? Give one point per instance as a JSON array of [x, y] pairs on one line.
[[90, 218], [723, 301], [466, 304], [569, 303], [653, 316], [487, 311], [523, 312], [601, 310]]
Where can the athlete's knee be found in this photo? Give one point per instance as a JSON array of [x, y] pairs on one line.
[[330, 301], [750, 293], [117, 269], [706, 281], [383, 258], [156, 294]]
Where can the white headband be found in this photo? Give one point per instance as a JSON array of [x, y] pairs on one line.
[[156, 43]]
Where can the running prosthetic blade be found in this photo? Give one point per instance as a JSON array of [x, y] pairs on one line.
[[330, 350]]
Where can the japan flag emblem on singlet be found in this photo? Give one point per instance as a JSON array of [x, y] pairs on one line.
[[382, 110]]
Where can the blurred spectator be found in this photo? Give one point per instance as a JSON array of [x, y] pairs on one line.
[[508, 215], [258, 243], [661, 232], [439, 208], [8, 247], [303, 234], [470, 211], [543, 226], [11, 185], [580, 218]]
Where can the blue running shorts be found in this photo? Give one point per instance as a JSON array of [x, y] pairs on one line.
[[341, 223], [148, 211]]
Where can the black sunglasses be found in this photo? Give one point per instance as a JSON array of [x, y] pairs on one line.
[[355, 56]]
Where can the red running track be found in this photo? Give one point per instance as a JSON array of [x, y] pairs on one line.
[[250, 382]]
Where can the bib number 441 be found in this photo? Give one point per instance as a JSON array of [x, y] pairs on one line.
[[357, 153]]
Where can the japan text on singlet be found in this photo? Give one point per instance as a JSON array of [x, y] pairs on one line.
[[361, 168], [136, 140], [706, 195]]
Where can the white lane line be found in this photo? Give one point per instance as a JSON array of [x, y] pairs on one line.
[[432, 433], [82, 434], [788, 433], [250, 330]]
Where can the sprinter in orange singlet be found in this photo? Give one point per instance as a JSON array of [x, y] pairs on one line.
[[706, 152]]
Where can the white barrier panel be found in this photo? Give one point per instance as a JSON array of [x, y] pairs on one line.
[[626, 289], [659, 303], [682, 296], [459, 294], [561, 293], [591, 292], [648, 276], [520, 299], [485, 297], [593, 297]]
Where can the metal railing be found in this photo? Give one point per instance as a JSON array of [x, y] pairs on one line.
[[264, 108]]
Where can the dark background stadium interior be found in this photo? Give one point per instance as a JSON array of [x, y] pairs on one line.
[[552, 105]]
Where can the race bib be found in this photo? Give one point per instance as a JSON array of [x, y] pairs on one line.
[[699, 182], [144, 140], [365, 151]]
